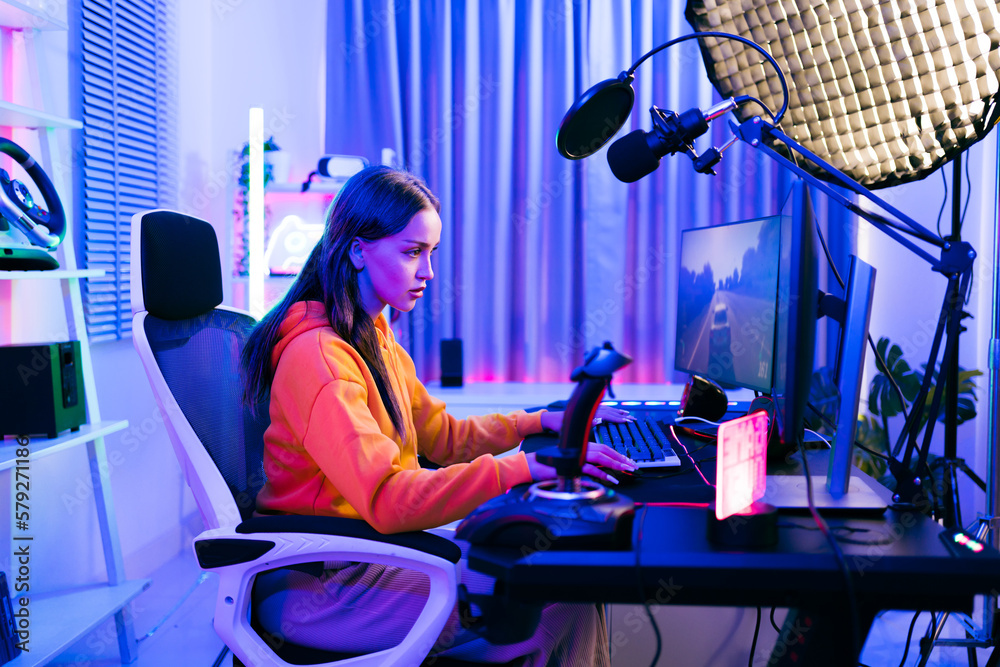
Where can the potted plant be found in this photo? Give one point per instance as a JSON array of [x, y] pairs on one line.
[[872, 432], [240, 209]]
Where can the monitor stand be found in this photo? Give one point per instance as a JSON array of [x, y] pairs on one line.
[[789, 492]]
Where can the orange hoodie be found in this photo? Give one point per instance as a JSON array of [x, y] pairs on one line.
[[331, 447]]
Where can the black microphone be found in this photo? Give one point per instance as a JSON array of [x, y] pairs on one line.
[[637, 154]]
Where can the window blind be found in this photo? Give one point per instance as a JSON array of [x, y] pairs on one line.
[[126, 152]]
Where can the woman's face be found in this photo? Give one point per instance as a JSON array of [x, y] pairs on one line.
[[394, 270]]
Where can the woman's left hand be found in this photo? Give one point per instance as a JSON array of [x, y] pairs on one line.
[[605, 413]]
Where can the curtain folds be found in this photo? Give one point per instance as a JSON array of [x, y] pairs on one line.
[[541, 257]]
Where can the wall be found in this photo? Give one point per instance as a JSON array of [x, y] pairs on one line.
[[233, 55], [268, 54]]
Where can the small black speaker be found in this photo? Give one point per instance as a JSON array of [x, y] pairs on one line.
[[703, 398], [451, 362], [41, 389]]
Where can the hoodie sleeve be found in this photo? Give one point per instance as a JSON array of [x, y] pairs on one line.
[[363, 464], [446, 440]]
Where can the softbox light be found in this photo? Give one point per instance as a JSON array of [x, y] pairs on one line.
[[885, 90]]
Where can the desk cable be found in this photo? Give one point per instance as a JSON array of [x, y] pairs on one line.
[[837, 554], [690, 458], [909, 633], [753, 644], [642, 592]]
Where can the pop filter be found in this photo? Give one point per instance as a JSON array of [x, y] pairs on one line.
[[595, 117]]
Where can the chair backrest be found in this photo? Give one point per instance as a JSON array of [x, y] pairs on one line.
[[190, 347]]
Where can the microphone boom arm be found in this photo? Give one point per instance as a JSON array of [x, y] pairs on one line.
[[955, 257], [955, 263]]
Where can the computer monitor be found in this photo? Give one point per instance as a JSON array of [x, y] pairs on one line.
[[726, 302], [747, 313], [795, 314], [747, 308]]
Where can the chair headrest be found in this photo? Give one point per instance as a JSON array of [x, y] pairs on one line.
[[180, 265]]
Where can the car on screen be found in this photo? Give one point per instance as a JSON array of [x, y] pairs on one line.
[[720, 336]]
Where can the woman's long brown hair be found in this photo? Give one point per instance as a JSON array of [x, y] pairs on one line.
[[375, 203]]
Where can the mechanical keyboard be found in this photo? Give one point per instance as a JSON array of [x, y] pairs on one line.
[[643, 441]]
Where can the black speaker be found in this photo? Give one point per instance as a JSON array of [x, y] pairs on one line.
[[41, 389], [703, 398], [451, 362]]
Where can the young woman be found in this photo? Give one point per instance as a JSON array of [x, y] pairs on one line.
[[348, 419]]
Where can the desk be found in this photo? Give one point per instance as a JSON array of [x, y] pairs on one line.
[[902, 565], [912, 569]]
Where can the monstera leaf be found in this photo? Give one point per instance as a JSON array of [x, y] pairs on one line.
[[883, 401], [824, 403], [966, 394]]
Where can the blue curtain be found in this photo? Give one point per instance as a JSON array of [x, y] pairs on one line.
[[541, 257]]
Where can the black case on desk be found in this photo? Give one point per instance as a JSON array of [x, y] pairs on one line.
[[41, 389]]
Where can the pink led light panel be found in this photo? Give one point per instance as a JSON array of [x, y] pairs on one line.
[[741, 472]]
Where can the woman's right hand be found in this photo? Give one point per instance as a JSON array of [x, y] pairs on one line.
[[597, 455]]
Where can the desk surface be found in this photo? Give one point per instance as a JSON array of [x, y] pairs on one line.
[[897, 555], [901, 564], [896, 561]]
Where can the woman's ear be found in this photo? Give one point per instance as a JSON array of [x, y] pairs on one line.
[[357, 258]]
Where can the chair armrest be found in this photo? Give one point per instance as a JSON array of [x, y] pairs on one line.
[[238, 557], [333, 525]]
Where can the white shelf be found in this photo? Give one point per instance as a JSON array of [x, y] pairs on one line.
[[29, 14], [59, 620], [56, 274], [15, 115], [41, 447]]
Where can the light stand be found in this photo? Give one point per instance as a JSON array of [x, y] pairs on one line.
[[982, 636], [955, 263]]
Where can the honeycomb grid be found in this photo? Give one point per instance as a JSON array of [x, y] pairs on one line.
[[886, 91]]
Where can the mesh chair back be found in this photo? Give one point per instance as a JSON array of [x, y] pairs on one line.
[[200, 361]]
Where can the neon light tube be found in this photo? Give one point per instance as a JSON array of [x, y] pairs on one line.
[[255, 215]]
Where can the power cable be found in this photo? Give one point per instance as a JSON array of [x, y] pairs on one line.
[[838, 556], [753, 646]]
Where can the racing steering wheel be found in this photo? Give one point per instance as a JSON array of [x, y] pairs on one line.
[[42, 227]]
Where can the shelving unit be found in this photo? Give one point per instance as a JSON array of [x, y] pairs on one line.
[[61, 618], [20, 15], [15, 115], [44, 447]]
